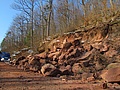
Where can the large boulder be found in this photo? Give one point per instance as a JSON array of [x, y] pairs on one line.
[[41, 48], [35, 64], [42, 55], [50, 70], [17, 62], [77, 52], [34, 61], [112, 75], [86, 77], [22, 62], [87, 54], [66, 46], [54, 55], [34, 68], [66, 70], [113, 65], [77, 69], [85, 63], [76, 42]]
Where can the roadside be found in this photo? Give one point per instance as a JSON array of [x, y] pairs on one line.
[[12, 78]]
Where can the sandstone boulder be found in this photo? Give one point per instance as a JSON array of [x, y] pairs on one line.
[[53, 55], [87, 77], [34, 61], [34, 68], [42, 55], [77, 52], [34, 64], [50, 70], [18, 60], [66, 46], [66, 70], [85, 63], [113, 65], [87, 54], [76, 42], [77, 69], [112, 75]]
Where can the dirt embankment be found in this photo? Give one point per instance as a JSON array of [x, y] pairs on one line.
[[80, 60]]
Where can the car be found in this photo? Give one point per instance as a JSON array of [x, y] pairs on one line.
[[4, 56]]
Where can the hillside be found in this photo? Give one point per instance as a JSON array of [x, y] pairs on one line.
[[87, 54], [63, 44], [87, 58]]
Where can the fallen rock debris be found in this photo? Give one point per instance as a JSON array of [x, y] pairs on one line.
[[87, 54]]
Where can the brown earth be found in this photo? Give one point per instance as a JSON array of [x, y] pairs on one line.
[[81, 60], [12, 78]]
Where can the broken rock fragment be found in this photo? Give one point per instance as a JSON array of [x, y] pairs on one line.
[[112, 75], [50, 70]]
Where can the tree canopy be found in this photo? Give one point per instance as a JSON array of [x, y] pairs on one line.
[[40, 19]]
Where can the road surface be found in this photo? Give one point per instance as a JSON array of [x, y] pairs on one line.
[[12, 78]]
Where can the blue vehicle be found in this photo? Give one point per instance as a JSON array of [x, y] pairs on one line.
[[4, 56]]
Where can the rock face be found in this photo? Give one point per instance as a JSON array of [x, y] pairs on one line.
[[83, 53], [112, 75]]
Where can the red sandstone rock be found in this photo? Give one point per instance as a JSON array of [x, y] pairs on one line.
[[42, 55], [77, 69], [111, 53], [112, 75], [49, 70]]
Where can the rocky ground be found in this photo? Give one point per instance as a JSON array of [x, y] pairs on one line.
[[12, 78], [85, 59]]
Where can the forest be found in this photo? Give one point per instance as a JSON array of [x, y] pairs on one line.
[[39, 20]]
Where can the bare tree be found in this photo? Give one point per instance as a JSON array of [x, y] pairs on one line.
[[27, 7], [111, 3], [50, 3]]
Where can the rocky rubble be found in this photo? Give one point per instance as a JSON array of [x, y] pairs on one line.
[[86, 53]]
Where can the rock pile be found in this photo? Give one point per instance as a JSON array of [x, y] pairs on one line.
[[85, 53]]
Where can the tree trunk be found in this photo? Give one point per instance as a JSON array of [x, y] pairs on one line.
[[111, 3], [84, 9], [49, 17], [32, 22]]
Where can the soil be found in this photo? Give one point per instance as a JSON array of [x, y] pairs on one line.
[[91, 54], [12, 78]]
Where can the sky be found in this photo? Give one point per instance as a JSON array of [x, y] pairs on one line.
[[6, 16]]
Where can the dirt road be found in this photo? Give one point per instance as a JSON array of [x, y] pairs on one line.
[[12, 78]]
